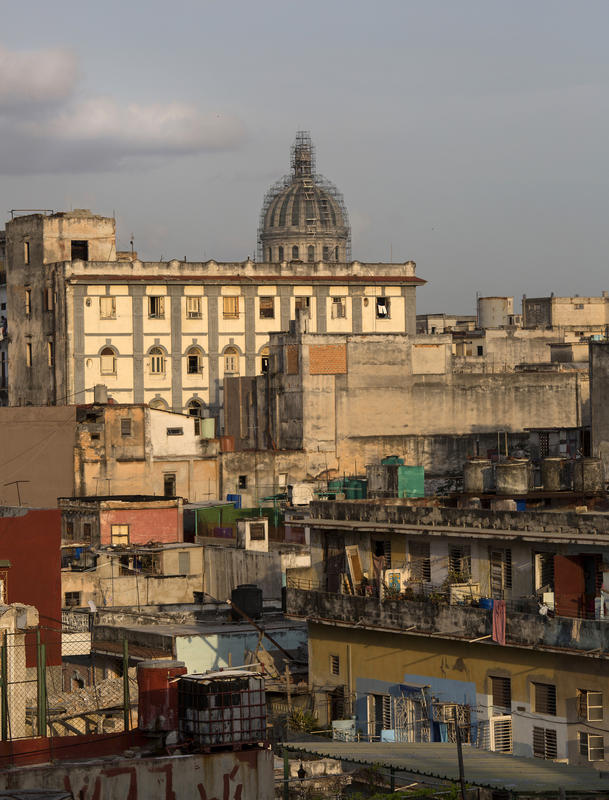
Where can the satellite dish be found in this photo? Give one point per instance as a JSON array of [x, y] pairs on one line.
[[92, 606]]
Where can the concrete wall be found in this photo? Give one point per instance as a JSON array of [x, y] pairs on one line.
[[227, 567], [247, 775], [599, 392], [145, 524]]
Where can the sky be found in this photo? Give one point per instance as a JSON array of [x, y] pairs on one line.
[[468, 136]]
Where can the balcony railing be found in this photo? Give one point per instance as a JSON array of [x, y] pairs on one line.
[[432, 615]]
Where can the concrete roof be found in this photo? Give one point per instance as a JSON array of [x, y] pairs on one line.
[[481, 767]]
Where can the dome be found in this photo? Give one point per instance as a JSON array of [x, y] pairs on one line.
[[303, 216]]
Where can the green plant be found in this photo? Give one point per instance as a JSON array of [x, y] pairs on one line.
[[301, 720]]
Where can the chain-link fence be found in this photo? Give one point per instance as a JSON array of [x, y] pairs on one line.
[[53, 684]]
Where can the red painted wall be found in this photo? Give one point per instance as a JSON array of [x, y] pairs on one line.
[[145, 524], [31, 541]]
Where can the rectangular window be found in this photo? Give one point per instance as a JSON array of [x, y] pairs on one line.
[[119, 535], [86, 531], [592, 746], [192, 364], [267, 308], [420, 561], [80, 250], [382, 308], [107, 307], [501, 572], [51, 353], [544, 743], [169, 484], [183, 563], [382, 549], [230, 307], [257, 531], [302, 303], [501, 691], [242, 482], [156, 307], [28, 354], [590, 705], [26, 252], [480, 350], [193, 307], [459, 563], [48, 296], [28, 302], [579, 306], [71, 599], [544, 571], [175, 431], [334, 665], [69, 531], [339, 308], [125, 427], [544, 698]]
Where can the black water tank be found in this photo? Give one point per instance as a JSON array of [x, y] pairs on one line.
[[248, 597]]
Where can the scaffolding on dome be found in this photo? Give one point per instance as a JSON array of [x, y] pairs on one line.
[[302, 160]]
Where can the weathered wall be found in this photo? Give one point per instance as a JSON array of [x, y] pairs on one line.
[[225, 568], [37, 448], [245, 775], [145, 524], [599, 394]]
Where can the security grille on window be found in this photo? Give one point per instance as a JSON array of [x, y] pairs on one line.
[[501, 691], [107, 307], [119, 534], [125, 427], [193, 307], [334, 665], [592, 746], [175, 431], [156, 307], [420, 561], [544, 571], [71, 599], [460, 562], [382, 307], [544, 743], [544, 444], [230, 308], [157, 361], [590, 705], [544, 698], [267, 308]]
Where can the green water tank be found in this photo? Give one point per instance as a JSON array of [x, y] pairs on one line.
[[392, 460]]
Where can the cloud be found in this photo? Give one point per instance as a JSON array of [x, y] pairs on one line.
[[36, 76], [46, 128]]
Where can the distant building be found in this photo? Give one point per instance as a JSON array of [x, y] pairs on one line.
[[582, 315]]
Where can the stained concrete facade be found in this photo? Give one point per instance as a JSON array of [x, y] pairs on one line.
[[584, 314], [349, 400], [599, 406], [167, 333]]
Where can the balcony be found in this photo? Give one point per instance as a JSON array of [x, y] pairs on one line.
[[434, 616]]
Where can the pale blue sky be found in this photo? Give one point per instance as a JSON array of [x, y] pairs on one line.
[[469, 136]]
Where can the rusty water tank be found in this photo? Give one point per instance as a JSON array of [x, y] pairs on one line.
[[556, 474], [478, 476], [158, 694], [513, 476], [588, 475]]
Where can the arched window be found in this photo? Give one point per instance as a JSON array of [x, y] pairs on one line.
[[295, 252], [195, 408], [107, 359], [157, 361], [311, 253], [158, 402], [194, 361], [231, 359], [326, 253], [281, 253]]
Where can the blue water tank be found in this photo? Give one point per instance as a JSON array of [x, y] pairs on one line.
[[235, 499]]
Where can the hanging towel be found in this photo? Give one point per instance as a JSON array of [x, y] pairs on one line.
[[499, 621]]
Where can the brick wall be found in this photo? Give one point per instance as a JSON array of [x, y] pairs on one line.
[[328, 359]]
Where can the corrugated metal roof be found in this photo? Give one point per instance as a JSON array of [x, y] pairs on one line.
[[482, 768]]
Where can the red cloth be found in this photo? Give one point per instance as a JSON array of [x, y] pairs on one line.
[[499, 621]]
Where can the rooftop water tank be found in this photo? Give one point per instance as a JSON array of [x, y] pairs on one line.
[[514, 476], [158, 694], [478, 476]]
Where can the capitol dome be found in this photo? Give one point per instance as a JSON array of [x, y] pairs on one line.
[[303, 216]]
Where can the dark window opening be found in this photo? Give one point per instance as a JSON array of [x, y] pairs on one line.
[[311, 254], [334, 665], [280, 253], [382, 549], [267, 308], [257, 532], [125, 427], [80, 250], [71, 599], [480, 350], [382, 307], [544, 743], [501, 691], [294, 252], [325, 253], [169, 485], [544, 698], [264, 364], [242, 484]]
